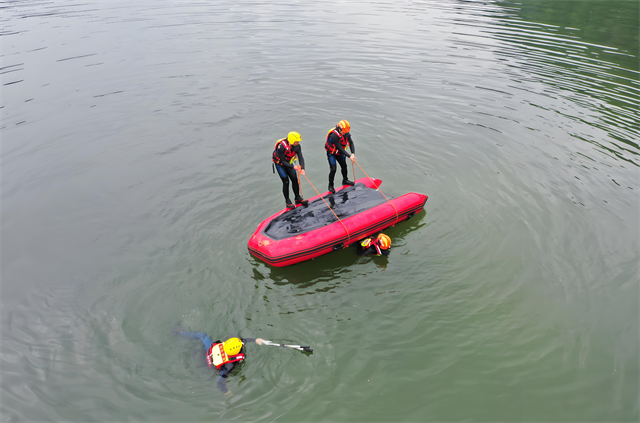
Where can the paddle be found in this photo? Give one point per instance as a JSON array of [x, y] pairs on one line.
[[295, 347]]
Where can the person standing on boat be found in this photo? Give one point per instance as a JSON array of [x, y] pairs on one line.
[[286, 152], [338, 139], [221, 356], [379, 245]]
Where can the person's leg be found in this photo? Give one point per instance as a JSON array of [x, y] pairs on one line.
[[199, 335], [284, 177], [285, 189], [295, 185], [345, 170], [332, 171]]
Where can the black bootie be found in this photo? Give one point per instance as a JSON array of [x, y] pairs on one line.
[[332, 190], [300, 200], [347, 182], [289, 204]]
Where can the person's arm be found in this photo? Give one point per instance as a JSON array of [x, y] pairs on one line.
[[334, 139], [249, 340], [352, 147], [298, 150], [283, 160]]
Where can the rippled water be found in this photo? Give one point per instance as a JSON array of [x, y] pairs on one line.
[[136, 142]]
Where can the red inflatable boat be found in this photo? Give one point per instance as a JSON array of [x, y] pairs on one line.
[[306, 232]]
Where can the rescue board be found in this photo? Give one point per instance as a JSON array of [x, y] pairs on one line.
[[294, 235]]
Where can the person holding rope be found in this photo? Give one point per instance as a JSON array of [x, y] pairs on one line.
[[286, 152], [337, 140], [375, 245], [222, 356]]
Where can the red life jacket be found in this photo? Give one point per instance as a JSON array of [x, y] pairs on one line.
[[216, 357], [289, 154], [331, 149], [372, 242]]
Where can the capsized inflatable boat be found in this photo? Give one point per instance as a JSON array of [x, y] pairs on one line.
[[292, 236]]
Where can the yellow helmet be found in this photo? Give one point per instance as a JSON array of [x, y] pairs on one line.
[[293, 137], [385, 241], [232, 346], [344, 126]]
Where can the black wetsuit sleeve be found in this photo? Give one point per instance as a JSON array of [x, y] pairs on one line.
[[283, 160], [247, 340], [333, 138], [352, 146], [298, 151]]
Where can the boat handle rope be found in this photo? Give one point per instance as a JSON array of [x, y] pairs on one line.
[[334, 213], [354, 178]]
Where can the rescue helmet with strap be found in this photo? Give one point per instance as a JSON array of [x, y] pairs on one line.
[[344, 126], [385, 241], [293, 137], [232, 346]]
